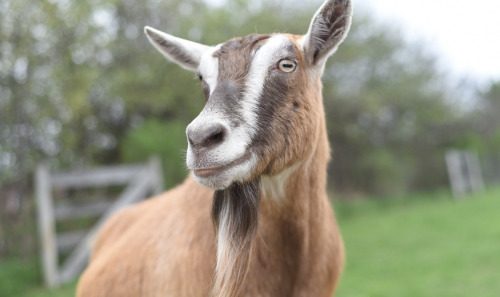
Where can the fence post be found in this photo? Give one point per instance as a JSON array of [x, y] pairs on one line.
[[46, 226], [454, 165], [157, 173], [140, 182], [464, 171], [474, 169]]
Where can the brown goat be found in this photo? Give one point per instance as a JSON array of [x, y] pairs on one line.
[[253, 219]]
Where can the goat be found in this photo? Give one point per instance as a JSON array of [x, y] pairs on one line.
[[253, 218]]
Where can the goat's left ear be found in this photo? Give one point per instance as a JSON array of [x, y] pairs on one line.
[[328, 29], [183, 52]]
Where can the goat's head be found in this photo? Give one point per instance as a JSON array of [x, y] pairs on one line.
[[261, 91]]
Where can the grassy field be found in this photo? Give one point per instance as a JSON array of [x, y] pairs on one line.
[[422, 247], [418, 246]]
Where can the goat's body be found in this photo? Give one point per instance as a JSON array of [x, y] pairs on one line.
[[268, 230], [150, 248], [166, 246]]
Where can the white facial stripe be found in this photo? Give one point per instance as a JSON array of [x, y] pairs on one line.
[[209, 68], [259, 68], [236, 142]]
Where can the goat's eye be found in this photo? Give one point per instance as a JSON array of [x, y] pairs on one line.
[[200, 77], [287, 65]]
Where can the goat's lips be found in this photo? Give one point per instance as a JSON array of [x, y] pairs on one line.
[[214, 170], [206, 172]]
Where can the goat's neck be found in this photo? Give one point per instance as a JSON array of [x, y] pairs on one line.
[[297, 196], [296, 229], [301, 186]]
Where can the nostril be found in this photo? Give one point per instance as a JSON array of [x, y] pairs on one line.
[[206, 136], [215, 136]]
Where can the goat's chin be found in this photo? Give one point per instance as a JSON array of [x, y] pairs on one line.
[[214, 182], [223, 179]]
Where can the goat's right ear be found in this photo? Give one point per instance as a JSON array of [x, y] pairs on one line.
[[183, 52], [328, 29]]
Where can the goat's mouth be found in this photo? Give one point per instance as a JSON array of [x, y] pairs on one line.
[[213, 170]]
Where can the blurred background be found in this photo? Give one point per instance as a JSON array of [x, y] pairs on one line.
[[80, 87]]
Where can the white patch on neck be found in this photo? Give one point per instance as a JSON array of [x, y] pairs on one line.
[[274, 186], [262, 61], [209, 68]]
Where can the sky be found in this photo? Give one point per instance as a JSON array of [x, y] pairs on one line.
[[464, 34]]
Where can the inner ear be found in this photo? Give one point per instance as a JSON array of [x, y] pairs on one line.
[[328, 29], [185, 53]]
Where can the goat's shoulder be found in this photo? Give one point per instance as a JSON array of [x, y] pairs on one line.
[[154, 246], [169, 206]]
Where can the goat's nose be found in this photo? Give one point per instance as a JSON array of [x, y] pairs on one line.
[[206, 136]]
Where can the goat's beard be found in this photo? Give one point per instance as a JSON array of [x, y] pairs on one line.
[[235, 215]]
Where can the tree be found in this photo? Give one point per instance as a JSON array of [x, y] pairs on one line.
[[80, 86]]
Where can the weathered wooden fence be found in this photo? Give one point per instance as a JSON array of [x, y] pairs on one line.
[[139, 181], [464, 171]]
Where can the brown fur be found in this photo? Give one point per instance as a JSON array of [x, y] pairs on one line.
[[234, 57], [166, 246]]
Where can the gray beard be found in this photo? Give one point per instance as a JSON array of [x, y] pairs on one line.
[[241, 201]]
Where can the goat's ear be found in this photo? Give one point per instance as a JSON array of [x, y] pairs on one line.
[[328, 29], [183, 52]]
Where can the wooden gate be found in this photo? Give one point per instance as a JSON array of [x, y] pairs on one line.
[[140, 181]]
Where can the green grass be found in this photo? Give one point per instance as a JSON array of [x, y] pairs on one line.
[[416, 246], [16, 275], [65, 291], [432, 246], [21, 278]]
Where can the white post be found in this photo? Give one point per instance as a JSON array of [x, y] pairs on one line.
[[455, 174], [464, 171], [157, 173], [476, 180], [46, 226]]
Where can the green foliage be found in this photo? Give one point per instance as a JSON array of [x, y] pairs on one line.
[[384, 172], [389, 114], [487, 120], [164, 139], [77, 77]]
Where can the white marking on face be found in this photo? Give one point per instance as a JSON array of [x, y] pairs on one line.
[[226, 178], [259, 69], [233, 147], [209, 68], [238, 139]]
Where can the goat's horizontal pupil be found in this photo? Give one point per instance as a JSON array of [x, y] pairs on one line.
[[287, 65]]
